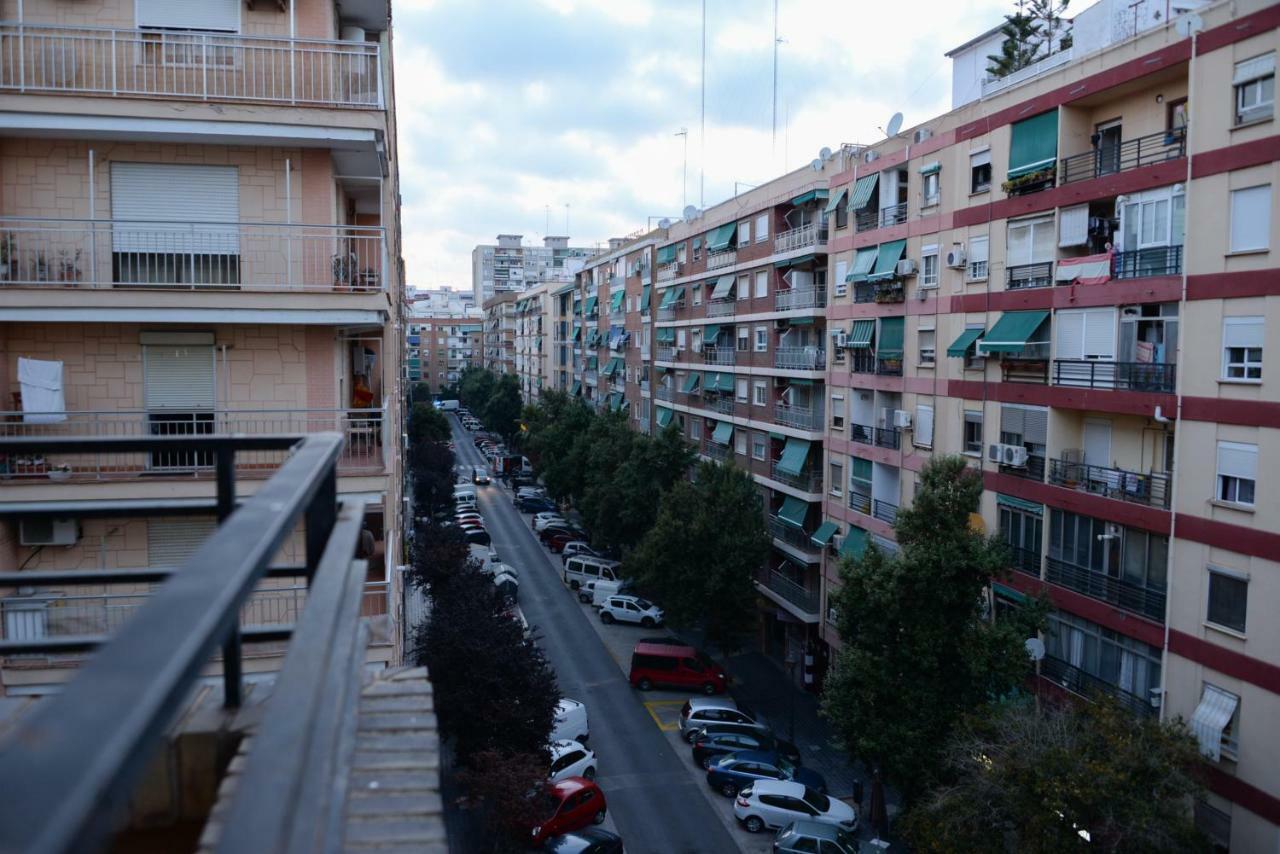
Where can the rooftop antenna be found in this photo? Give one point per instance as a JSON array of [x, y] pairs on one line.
[[690, 213], [684, 174], [702, 133], [895, 125]]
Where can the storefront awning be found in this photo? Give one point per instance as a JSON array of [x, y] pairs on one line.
[[664, 416], [723, 285], [862, 191], [721, 237], [861, 333], [1034, 144], [1012, 331], [793, 511], [834, 204], [823, 535], [891, 336], [863, 263], [723, 434], [1211, 718], [691, 382], [960, 347], [794, 454], [854, 543], [811, 196]]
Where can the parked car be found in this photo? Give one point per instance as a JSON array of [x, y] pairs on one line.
[[463, 516], [577, 547], [588, 840], [596, 592], [556, 539], [678, 666], [571, 759], [804, 835], [775, 803], [480, 475], [566, 805], [631, 609], [579, 569], [715, 740], [697, 712], [522, 478], [570, 722], [535, 505], [735, 771], [477, 535], [545, 518]]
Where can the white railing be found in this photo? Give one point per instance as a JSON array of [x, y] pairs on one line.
[[721, 307], [992, 85], [800, 298], [725, 258], [800, 358], [248, 256], [364, 447], [191, 66], [804, 237], [667, 272], [799, 417]]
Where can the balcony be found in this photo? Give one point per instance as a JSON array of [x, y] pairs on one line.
[[799, 417], [718, 403], [810, 480], [1026, 561], [808, 236], [723, 258], [893, 215], [1033, 470], [644, 387], [864, 292], [862, 433], [666, 354], [720, 307], [1028, 365], [800, 358], [590, 377], [867, 219], [860, 501], [669, 313], [718, 355], [715, 451], [1087, 685], [798, 298], [664, 392], [361, 430], [1130, 154], [1150, 489], [192, 256], [1142, 263], [884, 511], [668, 272], [121, 63], [992, 85], [888, 437], [1152, 377], [1131, 597], [1024, 276], [889, 367], [804, 599], [792, 536]]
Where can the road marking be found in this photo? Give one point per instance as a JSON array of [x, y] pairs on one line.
[[661, 712]]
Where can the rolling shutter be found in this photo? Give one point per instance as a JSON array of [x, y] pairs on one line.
[[171, 200], [1070, 337], [1073, 226], [1100, 333], [1035, 426], [924, 426], [171, 542], [189, 14], [179, 375]]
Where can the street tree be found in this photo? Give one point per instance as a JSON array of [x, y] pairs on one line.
[[561, 426], [501, 411], [502, 790], [438, 552], [431, 467], [427, 424], [475, 386], [635, 487]]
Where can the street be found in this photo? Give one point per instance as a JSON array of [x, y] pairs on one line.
[[655, 802]]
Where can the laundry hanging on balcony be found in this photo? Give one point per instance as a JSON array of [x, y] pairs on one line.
[[1089, 270], [43, 397]]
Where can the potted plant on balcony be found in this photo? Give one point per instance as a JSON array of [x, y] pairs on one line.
[[8, 264], [344, 269], [68, 266], [1029, 182], [40, 268]]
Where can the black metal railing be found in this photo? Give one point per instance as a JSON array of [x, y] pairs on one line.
[[1026, 561], [885, 511], [797, 594], [866, 219], [863, 433], [1152, 261], [1023, 276], [889, 367], [860, 501], [76, 764], [1121, 376], [1135, 598], [864, 292], [1033, 470], [793, 536], [1087, 685], [890, 291], [893, 215], [1129, 154], [1151, 489], [810, 479], [888, 437], [862, 360]]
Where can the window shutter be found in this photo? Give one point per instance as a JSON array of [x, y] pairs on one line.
[[1035, 426], [924, 426], [1070, 334], [1252, 69], [979, 158], [1100, 333], [178, 377], [1250, 218], [1243, 332], [165, 196], [1012, 420], [1238, 460], [1018, 245], [1042, 248], [171, 542], [1073, 226], [978, 249], [189, 14]]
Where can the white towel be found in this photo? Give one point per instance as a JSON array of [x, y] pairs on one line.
[[43, 401]]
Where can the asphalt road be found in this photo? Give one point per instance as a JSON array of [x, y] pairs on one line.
[[653, 800]]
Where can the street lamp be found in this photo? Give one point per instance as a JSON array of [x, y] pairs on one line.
[[792, 661]]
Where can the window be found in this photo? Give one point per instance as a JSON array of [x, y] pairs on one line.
[[837, 412], [741, 389], [1030, 242], [744, 232], [697, 248], [762, 284], [980, 171], [930, 189], [842, 216], [744, 339], [925, 342], [1228, 597], [928, 266], [743, 287], [922, 435], [1255, 86], [762, 228], [1237, 472], [973, 432], [1251, 219], [837, 479], [762, 339], [757, 446], [760, 393], [841, 286], [680, 339], [695, 429], [697, 294], [977, 258], [1242, 348], [681, 251], [740, 442]]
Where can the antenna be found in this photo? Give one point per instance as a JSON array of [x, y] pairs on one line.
[[895, 125], [816, 164], [690, 213], [664, 223], [824, 154]]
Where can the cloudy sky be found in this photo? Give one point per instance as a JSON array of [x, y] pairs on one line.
[[507, 107]]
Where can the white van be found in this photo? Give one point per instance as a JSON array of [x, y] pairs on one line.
[[580, 569], [571, 722], [599, 591]]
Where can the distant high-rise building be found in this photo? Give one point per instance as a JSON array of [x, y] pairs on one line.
[[510, 267]]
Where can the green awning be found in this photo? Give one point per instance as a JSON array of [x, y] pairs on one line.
[[887, 257], [666, 333], [592, 363], [723, 285], [1008, 592], [717, 382], [823, 535], [799, 321], [616, 399], [691, 382], [577, 332], [794, 262], [591, 305], [794, 454], [615, 302], [726, 382], [854, 543], [930, 168], [778, 436], [1012, 331], [862, 191], [793, 511], [664, 416], [710, 332], [811, 196], [891, 335], [613, 366], [577, 307], [798, 381], [668, 298], [593, 338], [1020, 504], [721, 237], [861, 333], [666, 254], [723, 434], [960, 347], [644, 298], [577, 387], [1034, 144], [834, 204], [863, 263]]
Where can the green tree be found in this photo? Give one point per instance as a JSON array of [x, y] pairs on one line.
[[1022, 34], [702, 552], [917, 653], [501, 412], [634, 487], [428, 424], [420, 392], [560, 425], [1029, 780], [475, 386]]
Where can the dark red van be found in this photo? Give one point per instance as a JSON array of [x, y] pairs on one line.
[[678, 666]]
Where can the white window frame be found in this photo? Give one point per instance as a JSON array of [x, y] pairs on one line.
[[977, 269], [929, 259], [1249, 84], [836, 478], [762, 228], [759, 393], [761, 339], [742, 289], [920, 436], [1254, 226], [927, 355], [744, 339], [1226, 485], [965, 421], [841, 287], [1035, 228], [761, 287], [931, 189], [697, 294], [740, 441], [682, 252], [744, 232], [680, 340], [837, 412], [695, 429], [1241, 333], [741, 390], [977, 159], [759, 446]]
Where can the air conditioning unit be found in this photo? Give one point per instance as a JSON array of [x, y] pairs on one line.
[[921, 135], [955, 258], [906, 267], [902, 419], [1008, 455], [43, 531], [841, 337], [870, 156]]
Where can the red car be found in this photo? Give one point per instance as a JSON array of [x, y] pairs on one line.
[[570, 804], [557, 541]]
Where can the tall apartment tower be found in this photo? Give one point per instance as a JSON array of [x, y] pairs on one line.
[[199, 233], [510, 266]]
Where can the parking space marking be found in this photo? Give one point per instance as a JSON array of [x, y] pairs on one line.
[[665, 713]]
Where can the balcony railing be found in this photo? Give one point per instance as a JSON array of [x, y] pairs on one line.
[[1026, 561], [862, 360], [669, 313], [1087, 685], [716, 451], [862, 433], [1028, 365], [810, 480], [1130, 154], [1152, 261], [590, 377], [362, 432], [666, 354], [792, 536], [1151, 489], [1131, 597], [192, 256], [724, 258], [721, 403], [860, 501], [718, 355], [800, 358], [1039, 275], [884, 511], [797, 298], [119, 63], [992, 85], [889, 367], [866, 219], [667, 272], [889, 292], [1121, 376], [888, 437], [864, 292], [802, 597], [893, 215], [720, 307], [663, 392], [799, 417], [1033, 470], [805, 237]]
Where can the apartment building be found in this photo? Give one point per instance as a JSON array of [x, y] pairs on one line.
[[199, 234], [444, 335], [509, 265], [533, 341], [500, 333]]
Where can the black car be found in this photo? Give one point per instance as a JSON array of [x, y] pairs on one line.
[[588, 840], [478, 536], [716, 740], [535, 505]]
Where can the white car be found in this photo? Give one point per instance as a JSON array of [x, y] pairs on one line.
[[571, 759], [577, 547], [546, 520], [630, 609], [571, 722], [777, 803]]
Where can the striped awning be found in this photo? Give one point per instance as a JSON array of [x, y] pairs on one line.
[[1211, 718]]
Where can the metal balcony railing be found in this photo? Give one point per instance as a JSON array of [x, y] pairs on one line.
[[810, 480], [862, 360], [1087, 685], [799, 417], [1151, 489], [792, 536], [1022, 276], [889, 367], [800, 358], [797, 594], [720, 307], [864, 292], [860, 501], [718, 355], [1026, 561], [1028, 365], [893, 215], [1121, 376], [669, 313], [888, 437], [885, 511], [666, 354], [1152, 261], [1129, 154], [889, 292], [805, 237], [363, 433], [122, 63], [663, 392], [716, 451], [797, 298], [1135, 598], [866, 219], [1033, 470], [195, 256], [667, 272], [721, 403], [862, 433], [590, 377], [723, 258]]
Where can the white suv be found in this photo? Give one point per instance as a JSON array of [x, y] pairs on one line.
[[571, 759], [630, 609], [775, 803]]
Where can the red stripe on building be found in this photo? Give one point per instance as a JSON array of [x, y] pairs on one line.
[[1243, 794], [1238, 30], [1031, 394], [1238, 156], [1246, 668], [1223, 535], [1221, 410], [1129, 625], [1075, 501], [1243, 283]]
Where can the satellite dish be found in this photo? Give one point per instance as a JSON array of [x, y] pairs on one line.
[[825, 153], [664, 223], [1188, 24], [1035, 649], [816, 165], [895, 125], [690, 213]]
